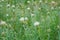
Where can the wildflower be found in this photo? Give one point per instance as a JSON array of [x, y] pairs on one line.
[[2, 0], [26, 18], [28, 1], [53, 2], [32, 14], [3, 33], [21, 19], [58, 26], [36, 23], [48, 12], [8, 5], [28, 8], [13, 6], [39, 8], [52, 8], [7, 14], [40, 1], [2, 22], [46, 1]]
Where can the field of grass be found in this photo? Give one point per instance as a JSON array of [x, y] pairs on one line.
[[29, 19]]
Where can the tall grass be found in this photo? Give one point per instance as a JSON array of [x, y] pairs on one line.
[[29, 20]]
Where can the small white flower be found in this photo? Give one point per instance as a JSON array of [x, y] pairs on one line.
[[28, 8], [28, 1], [32, 14], [3, 33], [48, 13], [58, 26], [22, 19], [2, 0], [7, 14], [26, 18], [8, 5], [39, 8], [36, 23], [53, 2], [2, 22], [13, 6], [52, 8], [40, 1], [46, 1]]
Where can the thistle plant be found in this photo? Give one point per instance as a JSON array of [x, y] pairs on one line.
[[29, 20]]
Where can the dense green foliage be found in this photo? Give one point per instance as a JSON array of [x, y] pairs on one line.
[[29, 19]]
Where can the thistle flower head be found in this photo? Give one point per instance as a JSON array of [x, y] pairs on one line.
[[7, 14], [26, 18], [21, 19], [2, 0], [28, 1], [8, 5], [32, 14], [13, 6], [28, 8], [2, 22], [36, 23]]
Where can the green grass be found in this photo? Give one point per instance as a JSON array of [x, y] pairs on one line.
[[29, 19]]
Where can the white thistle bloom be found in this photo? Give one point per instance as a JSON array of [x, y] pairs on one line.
[[26, 18], [2, 22], [32, 14], [39, 8], [28, 1], [53, 2], [2, 0], [7, 14], [28, 8], [36, 23], [8, 5], [52, 8], [58, 26], [3, 33], [13, 6], [46, 1], [40, 1], [21, 19]]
